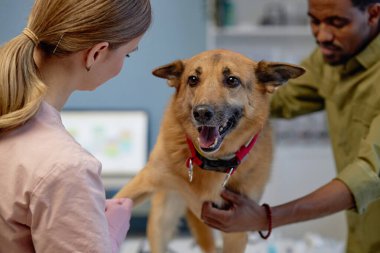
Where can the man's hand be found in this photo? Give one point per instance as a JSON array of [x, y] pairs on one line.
[[242, 214]]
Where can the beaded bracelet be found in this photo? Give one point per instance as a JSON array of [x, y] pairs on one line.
[[269, 217]]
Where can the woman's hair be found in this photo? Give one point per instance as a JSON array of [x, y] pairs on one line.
[[59, 28]]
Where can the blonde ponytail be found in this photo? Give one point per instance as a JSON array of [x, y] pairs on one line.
[[21, 90], [59, 28]]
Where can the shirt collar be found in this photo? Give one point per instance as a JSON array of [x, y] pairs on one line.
[[366, 58]]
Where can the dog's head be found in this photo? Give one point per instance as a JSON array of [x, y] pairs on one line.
[[223, 95]]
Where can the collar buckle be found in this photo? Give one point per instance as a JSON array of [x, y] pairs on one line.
[[189, 165], [227, 178]]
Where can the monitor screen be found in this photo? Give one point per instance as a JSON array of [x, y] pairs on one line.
[[118, 139]]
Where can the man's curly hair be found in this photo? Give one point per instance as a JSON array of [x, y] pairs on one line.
[[362, 4]]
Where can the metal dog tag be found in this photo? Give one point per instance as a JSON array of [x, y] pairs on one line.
[[228, 177], [190, 170]]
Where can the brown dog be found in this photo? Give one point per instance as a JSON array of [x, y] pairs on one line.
[[215, 126]]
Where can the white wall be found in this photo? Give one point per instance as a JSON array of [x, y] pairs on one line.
[[299, 169]]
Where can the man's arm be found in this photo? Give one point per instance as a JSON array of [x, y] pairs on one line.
[[245, 214], [329, 199]]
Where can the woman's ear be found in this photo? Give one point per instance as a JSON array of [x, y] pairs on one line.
[[95, 53]]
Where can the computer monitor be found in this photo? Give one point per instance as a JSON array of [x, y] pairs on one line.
[[118, 138]]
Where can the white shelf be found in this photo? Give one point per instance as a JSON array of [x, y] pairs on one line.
[[288, 43], [264, 31]]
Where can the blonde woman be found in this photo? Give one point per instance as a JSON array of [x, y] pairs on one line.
[[53, 199]]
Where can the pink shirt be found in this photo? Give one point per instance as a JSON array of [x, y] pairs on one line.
[[52, 197]]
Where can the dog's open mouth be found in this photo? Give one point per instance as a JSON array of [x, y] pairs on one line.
[[211, 137]]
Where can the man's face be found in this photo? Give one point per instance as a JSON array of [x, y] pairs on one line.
[[340, 29]]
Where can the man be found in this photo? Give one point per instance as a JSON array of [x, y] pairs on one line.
[[343, 78]]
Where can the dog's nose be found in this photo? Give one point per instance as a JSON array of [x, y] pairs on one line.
[[203, 113]]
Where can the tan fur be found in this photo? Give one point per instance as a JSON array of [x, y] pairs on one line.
[[166, 175]]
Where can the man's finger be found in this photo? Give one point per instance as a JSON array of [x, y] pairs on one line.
[[217, 225], [208, 209], [212, 222], [232, 197], [211, 212]]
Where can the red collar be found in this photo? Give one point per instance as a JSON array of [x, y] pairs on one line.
[[226, 166]]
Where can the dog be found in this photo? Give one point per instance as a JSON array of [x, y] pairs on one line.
[[215, 133]]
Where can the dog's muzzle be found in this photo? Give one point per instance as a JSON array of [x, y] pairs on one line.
[[214, 124]]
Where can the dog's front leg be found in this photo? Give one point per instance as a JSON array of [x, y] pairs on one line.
[[139, 188], [234, 242], [167, 207], [203, 234]]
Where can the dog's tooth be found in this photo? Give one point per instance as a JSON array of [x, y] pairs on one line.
[[214, 144]]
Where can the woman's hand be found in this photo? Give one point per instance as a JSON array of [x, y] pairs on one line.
[[118, 213]]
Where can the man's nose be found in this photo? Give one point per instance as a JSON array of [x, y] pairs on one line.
[[324, 33]]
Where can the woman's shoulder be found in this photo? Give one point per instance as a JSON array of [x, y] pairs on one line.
[[45, 159], [43, 145]]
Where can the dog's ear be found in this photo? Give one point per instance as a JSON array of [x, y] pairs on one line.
[[171, 71], [274, 74]]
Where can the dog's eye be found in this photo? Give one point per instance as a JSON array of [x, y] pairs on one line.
[[232, 81], [193, 80]]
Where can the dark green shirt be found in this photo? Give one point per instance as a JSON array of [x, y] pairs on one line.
[[350, 94]]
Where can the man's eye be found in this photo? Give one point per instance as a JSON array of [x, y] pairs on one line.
[[127, 56], [338, 23]]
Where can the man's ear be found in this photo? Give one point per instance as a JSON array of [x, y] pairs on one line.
[[94, 53], [274, 74], [374, 15], [172, 72]]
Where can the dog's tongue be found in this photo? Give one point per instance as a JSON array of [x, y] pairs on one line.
[[207, 136]]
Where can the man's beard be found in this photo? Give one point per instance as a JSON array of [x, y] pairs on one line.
[[337, 58], [336, 61]]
